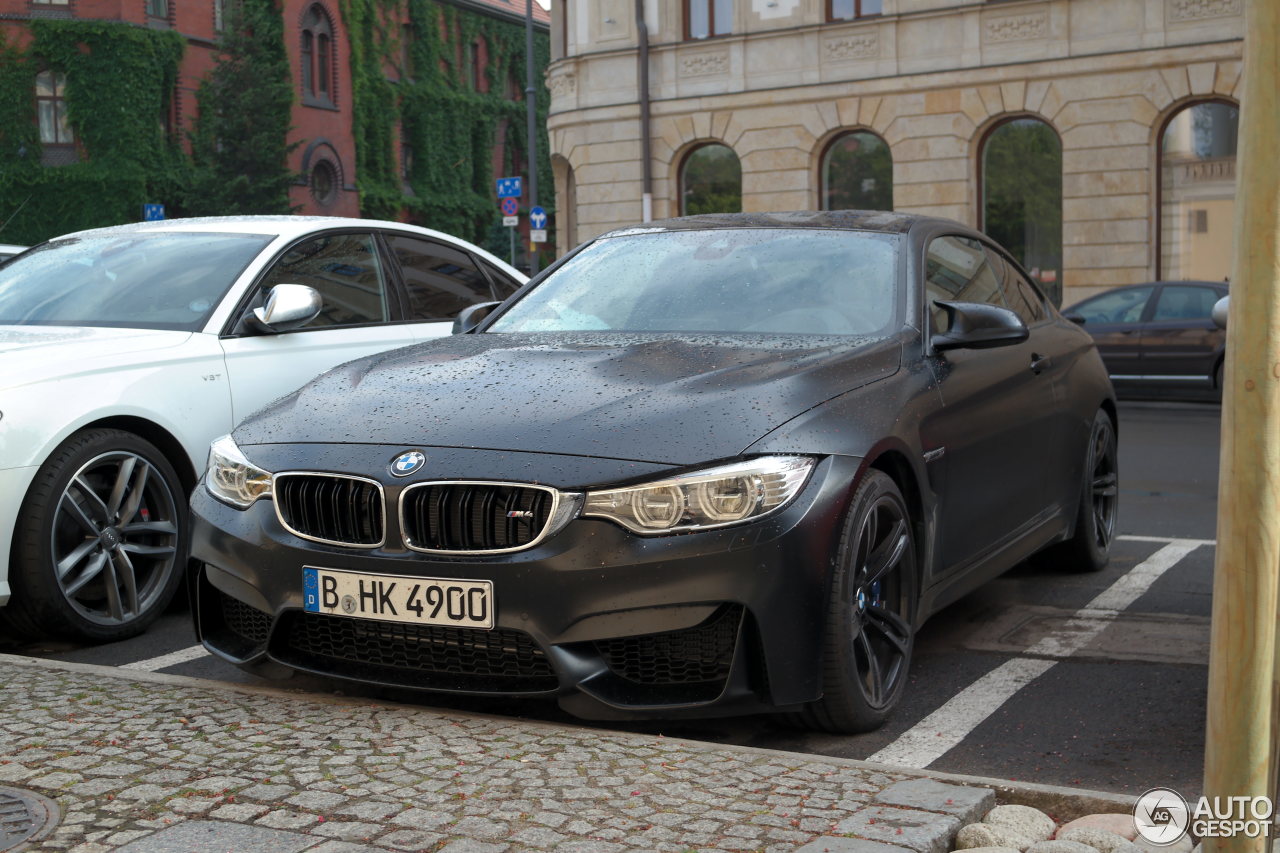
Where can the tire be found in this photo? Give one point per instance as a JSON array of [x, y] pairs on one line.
[[870, 624], [109, 508], [1089, 548]]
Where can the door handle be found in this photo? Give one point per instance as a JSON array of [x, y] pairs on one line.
[[1039, 362]]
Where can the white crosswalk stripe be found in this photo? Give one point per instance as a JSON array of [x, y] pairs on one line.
[[171, 659], [944, 729]]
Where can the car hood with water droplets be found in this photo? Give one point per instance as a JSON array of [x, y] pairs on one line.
[[674, 399]]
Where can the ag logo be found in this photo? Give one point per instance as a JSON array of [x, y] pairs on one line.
[[1161, 816], [406, 463]]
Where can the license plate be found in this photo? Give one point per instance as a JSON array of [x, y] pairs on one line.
[[398, 598]]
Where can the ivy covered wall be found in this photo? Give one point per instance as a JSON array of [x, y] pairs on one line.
[[408, 72], [119, 79], [449, 127]]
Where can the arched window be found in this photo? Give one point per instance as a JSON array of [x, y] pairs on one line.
[[1197, 191], [1021, 163], [711, 181], [857, 173], [317, 57]]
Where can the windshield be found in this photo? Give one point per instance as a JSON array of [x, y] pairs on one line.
[[140, 281], [740, 280]]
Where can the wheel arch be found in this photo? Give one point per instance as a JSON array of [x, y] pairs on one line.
[[894, 463], [165, 442]]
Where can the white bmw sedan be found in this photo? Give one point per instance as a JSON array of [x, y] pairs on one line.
[[124, 351]]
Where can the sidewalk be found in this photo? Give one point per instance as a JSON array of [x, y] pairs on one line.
[[149, 763]]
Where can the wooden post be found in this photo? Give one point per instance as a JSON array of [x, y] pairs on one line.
[[1242, 659]]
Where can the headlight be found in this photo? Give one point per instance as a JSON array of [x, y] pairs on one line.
[[233, 479], [712, 498]]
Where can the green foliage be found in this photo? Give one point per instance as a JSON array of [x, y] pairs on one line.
[[859, 174], [118, 82], [1022, 189], [449, 127], [238, 145], [712, 181]]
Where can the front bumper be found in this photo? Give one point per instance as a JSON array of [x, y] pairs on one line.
[[613, 624]]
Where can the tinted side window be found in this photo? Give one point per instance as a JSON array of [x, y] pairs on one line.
[[956, 270], [1185, 302], [440, 280], [1120, 306], [344, 269], [503, 284], [1018, 292]]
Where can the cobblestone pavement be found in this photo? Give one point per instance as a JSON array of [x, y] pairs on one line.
[[164, 764]]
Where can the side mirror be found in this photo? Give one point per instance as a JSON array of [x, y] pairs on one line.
[[975, 325], [1220, 310], [288, 307], [1078, 319], [472, 316]]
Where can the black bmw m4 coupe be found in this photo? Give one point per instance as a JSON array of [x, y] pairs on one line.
[[712, 465]]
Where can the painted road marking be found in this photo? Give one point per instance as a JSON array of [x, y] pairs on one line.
[[171, 659], [944, 729]]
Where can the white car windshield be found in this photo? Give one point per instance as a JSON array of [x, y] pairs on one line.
[[731, 280], [167, 280]]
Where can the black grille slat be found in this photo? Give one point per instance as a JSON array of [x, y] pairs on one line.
[[246, 621], [703, 653], [332, 508], [468, 517], [501, 660]]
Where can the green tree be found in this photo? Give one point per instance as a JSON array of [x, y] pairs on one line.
[[1022, 192], [239, 144], [859, 174], [712, 181]]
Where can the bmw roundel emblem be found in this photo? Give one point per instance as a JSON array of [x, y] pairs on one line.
[[408, 462]]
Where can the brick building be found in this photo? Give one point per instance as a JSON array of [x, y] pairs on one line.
[[319, 48]]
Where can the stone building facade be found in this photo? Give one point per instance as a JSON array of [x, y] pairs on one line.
[[781, 79]]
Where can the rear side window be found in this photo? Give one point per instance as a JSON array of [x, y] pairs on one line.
[[344, 269], [1120, 306], [503, 284], [1185, 302], [440, 280], [956, 270]]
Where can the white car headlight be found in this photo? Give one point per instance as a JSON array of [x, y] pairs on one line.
[[233, 479], [715, 497]]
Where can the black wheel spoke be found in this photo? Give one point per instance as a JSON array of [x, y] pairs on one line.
[[875, 687], [887, 554], [891, 626], [1105, 485]]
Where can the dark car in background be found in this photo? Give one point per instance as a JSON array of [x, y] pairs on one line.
[[711, 465], [1158, 338]]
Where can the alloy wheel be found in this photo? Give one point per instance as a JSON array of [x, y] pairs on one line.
[[114, 539], [882, 602], [1103, 483]]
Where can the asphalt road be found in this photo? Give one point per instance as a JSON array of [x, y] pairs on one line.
[[1091, 680]]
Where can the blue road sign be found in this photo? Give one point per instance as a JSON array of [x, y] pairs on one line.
[[509, 188], [537, 218], [510, 207], [152, 212]]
